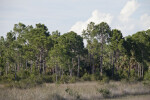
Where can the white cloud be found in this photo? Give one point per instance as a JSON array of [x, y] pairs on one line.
[[123, 21], [130, 7], [145, 21], [97, 17]]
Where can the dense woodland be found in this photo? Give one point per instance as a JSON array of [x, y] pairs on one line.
[[33, 54]]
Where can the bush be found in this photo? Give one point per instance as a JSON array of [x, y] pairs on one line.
[[86, 77], [75, 94], [72, 79], [105, 92], [105, 79], [64, 79], [55, 96], [22, 74], [47, 78], [147, 76], [8, 78], [93, 77]]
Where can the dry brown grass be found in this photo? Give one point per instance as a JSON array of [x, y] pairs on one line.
[[86, 90]]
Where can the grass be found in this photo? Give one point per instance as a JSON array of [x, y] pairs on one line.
[[80, 90]]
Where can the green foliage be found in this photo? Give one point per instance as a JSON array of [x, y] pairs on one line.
[[72, 93], [31, 55], [147, 76], [8, 78], [23, 74], [86, 77], [72, 79], [105, 79], [105, 92], [47, 78], [64, 79]]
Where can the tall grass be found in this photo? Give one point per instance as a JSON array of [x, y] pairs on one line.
[[82, 90]]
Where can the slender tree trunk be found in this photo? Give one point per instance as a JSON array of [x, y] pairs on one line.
[[62, 72], [43, 66], [72, 68], [90, 63], [53, 70], [18, 67], [129, 71], [113, 62], [78, 73], [110, 58], [40, 63], [6, 71], [71, 72], [142, 71], [142, 65], [15, 71], [101, 61], [93, 67], [26, 64], [138, 70], [56, 72]]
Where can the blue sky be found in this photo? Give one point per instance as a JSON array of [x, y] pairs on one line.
[[129, 16]]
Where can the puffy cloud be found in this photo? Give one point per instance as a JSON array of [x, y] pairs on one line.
[[145, 20], [123, 21], [97, 17], [130, 7]]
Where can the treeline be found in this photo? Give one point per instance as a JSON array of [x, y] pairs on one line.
[[33, 53]]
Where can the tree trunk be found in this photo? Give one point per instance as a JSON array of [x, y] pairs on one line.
[[142, 65], [56, 72], [15, 71], [78, 73], [138, 70], [18, 67], [26, 64], [93, 67], [129, 70], [40, 63], [101, 61], [53, 70], [43, 66], [89, 59], [113, 62], [70, 70]]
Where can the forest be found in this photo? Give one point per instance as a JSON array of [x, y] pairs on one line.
[[33, 55]]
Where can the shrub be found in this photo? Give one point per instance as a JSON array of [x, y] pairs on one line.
[[75, 94], [105, 79], [47, 78], [86, 77], [8, 78], [64, 79], [55, 96], [93, 77], [22, 74], [72, 79], [147, 76], [105, 92]]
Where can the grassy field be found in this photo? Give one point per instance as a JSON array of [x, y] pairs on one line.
[[137, 97], [83, 90]]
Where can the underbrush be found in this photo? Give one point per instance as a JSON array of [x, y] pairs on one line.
[[80, 90], [105, 92]]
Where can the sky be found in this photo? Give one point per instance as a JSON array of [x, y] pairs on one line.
[[129, 16]]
